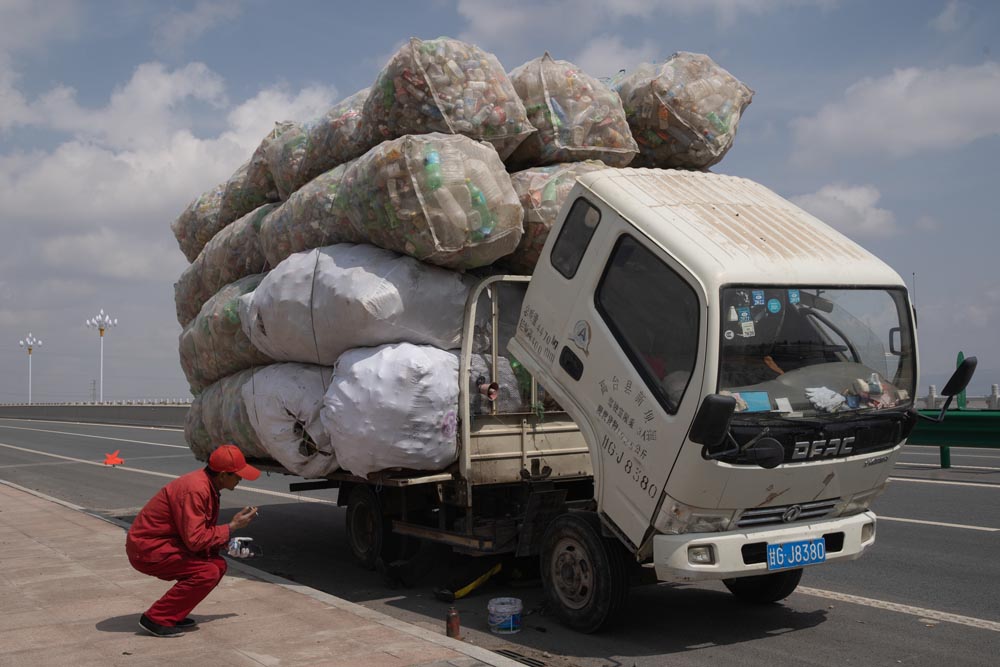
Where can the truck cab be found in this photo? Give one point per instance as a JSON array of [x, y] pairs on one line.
[[743, 376]]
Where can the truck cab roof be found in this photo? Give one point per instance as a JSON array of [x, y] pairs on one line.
[[730, 230]]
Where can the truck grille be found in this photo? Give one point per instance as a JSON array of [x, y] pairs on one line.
[[762, 516]]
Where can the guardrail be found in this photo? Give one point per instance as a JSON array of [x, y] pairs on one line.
[[157, 415], [960, 428]]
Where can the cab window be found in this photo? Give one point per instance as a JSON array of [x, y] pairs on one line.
[[574, 237], [653, 314]]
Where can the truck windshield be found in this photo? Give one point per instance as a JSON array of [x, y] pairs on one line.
[[807, 351]]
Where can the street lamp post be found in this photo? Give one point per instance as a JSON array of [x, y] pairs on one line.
[[102, 322], [29, 342]]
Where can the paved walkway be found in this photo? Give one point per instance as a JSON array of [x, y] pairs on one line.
[[68, 596]]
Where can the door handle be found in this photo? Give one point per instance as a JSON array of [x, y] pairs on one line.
[[571, 363]]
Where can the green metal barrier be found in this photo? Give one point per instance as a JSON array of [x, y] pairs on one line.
[[960, 428]]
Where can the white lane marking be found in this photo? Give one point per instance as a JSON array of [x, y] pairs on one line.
[[279, 494], [101, 437], [943, 481], [102, 424], [938, 465], [920, 612], [939, 523]]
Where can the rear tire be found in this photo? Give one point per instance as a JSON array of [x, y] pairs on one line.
[[584, 574], [369, 531], [765, 588]]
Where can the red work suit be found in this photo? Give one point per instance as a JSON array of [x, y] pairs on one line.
[[175, 538]]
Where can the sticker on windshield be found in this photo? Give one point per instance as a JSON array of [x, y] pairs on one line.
[[744, 314], [730, 334], [793, 296], [773, 305], [758, 297], [748, 331]]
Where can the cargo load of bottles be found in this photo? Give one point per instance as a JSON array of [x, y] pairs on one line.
[[329, 274]]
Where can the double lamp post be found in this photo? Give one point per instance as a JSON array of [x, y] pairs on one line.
[[101, 322]]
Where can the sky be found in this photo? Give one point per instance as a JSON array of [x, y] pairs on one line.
[[881, 118]]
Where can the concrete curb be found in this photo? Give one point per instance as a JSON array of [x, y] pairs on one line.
[[469, 650]]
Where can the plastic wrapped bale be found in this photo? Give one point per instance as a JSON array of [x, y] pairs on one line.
[[199, 222], [234, 253], [315, 305], [283, 403], [213, 345], [684, 112], [218, 416], [394, 406], [443, 199], [542, 192], [306, 150], [577, 117], [252, 185], [312, 217], [445, 85]]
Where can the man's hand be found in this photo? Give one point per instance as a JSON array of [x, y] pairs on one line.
[[242, 518]]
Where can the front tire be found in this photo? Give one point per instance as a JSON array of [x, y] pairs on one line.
[[765, 588], [584, 574]]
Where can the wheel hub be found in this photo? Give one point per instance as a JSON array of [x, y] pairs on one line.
[[572, 574]]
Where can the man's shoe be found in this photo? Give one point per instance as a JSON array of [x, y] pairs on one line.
[[156, 629], [186, 624]]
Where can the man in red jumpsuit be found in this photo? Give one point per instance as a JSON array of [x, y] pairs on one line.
[[175, 538]]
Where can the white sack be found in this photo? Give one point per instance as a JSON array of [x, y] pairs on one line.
[[394, 406], [283, 403], [315, 305]]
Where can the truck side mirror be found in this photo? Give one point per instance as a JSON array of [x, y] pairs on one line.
[[958, 381], [711, 424], [961, 378]]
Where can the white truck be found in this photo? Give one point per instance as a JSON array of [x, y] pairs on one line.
[[719, 386]]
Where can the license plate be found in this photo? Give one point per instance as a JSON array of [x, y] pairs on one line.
[[795, 554]]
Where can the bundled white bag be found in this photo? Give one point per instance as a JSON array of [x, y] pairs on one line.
[[394, 406], [315, 305], [283, 403]]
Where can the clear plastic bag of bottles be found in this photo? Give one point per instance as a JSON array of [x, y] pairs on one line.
[[684, 112], [199, 222], [233, 253], [252, 185], [445, 85], [306, 150], [542, 192], [577, 117], [219, 414], [440, 198], [213, 345]]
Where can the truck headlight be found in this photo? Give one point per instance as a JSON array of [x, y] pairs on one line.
[[677, 518]]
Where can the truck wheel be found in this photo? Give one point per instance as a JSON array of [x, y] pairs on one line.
[[584, 574], [764, 588], [368, 530]]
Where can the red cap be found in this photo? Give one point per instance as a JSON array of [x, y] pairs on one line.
[[229, 458]]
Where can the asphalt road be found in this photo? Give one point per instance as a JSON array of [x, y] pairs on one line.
[[927, 594]]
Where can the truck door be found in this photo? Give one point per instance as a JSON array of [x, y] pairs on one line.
[[615, 329]]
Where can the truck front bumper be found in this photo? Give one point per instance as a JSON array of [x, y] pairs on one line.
[[742, 552]]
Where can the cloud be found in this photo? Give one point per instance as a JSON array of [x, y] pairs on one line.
[[851, 209], [910, 111], [951, 17], [493, 24], [29, 24], [605, 56], [176, 29], [98, 205]]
